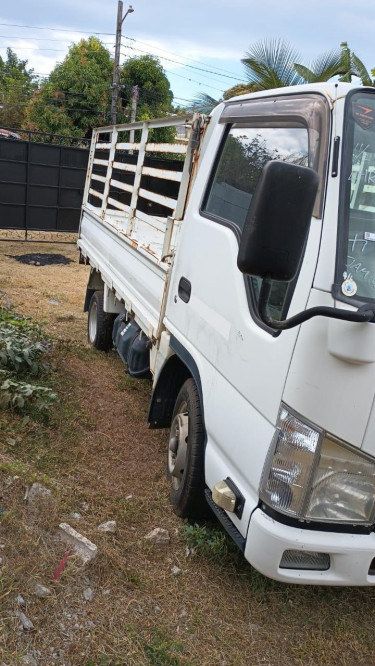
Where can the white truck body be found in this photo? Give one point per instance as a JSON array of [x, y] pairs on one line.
[[321, 372]]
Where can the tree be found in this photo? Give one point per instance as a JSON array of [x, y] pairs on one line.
[[270, 64], [239, 89], [76, 95], [342, 63], [203, 103], [17, 83], [350, 65], [155, 95], [323, 68]]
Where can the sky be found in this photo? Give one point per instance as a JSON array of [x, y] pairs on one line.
[[200, 44]]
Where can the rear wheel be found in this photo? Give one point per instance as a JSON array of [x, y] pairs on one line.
[[99, 323], [186, 454]]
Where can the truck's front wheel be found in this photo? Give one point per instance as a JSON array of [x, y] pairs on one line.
[[99, 323], [185, 470]]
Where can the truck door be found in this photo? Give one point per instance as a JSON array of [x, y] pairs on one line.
[[211, 307]]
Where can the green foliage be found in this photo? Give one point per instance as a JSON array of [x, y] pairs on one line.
[[20, 344], [76, 96], [21, 349], [17, 84], [210, 541], [16, 393], [342, 63], [270, 64], [203, 103], [323, 68], [155, 95], [239, 89], [161, 651], [350, 65]]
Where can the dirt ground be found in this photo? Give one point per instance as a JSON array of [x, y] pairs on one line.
[[136, 604]]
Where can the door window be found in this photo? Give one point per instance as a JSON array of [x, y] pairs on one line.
[[244, 153]]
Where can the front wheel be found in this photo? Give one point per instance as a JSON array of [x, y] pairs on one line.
[[186, 446], [99, 323]]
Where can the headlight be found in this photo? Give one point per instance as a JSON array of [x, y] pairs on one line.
[[311, 476]]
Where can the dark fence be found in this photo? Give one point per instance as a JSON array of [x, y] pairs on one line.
[[41, 184]]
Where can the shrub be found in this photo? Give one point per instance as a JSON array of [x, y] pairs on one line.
[[21, 350]]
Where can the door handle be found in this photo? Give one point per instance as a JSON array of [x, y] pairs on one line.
[[184, 289]]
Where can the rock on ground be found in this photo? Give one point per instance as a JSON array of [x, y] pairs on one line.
[[84, 548], [109, 526], [37, 492], [41, 591], [26, 624], [158, 536], [88, 594]]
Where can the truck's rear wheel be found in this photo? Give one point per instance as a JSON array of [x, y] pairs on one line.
[[99, 323], [185, 470]]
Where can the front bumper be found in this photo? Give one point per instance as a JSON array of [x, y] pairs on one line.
[[351, 554]]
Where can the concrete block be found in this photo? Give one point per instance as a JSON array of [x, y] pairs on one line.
[[84, 548]]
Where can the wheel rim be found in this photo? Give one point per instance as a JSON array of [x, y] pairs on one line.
[[177, 449], [93, 322]]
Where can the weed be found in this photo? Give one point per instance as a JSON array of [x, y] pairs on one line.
[[161, 650], [210, 541], [21, 348]]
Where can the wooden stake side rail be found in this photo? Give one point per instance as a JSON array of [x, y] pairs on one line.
[[101, 170]]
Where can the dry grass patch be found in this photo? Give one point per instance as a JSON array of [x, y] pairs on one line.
[[93, 450]]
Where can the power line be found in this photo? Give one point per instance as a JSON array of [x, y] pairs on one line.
[[200, 83], [43, 39], [112, 34], [38, 27], [33, 48], [234, 78]]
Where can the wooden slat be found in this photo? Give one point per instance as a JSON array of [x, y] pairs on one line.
[[96, 194], [167, 148], [158, 198], [162, 173], [117, 204], [100, 162], [127, 146], [95, 176], [121, 186], [122, 166], [152, 221]]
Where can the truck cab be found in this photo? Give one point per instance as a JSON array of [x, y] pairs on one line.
[[269, 399]]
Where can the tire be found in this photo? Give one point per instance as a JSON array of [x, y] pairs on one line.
[[99, 323], [186, 447]]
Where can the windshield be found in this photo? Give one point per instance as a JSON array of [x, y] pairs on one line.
[[356, 266]]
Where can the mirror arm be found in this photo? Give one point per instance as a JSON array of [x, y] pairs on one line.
[[365, 313]]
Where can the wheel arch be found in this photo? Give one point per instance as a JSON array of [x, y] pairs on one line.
[[95, 283], [178, 368]]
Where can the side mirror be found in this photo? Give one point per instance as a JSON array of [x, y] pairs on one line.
[[278, 221]]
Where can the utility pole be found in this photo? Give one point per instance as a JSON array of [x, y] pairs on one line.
[[133, 112], [116, 70]]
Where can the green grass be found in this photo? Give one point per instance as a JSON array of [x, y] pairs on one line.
[[162, 650]]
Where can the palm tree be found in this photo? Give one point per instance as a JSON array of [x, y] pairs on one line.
[[350, 65], [274, 64], [203, 103], [323, 68], [270, 64]]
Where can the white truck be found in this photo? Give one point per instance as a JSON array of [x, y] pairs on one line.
[[241, 278]]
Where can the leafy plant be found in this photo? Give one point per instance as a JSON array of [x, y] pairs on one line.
[[21, 345], [161, 651], [21, 348], [16, 393], [209, 541]]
